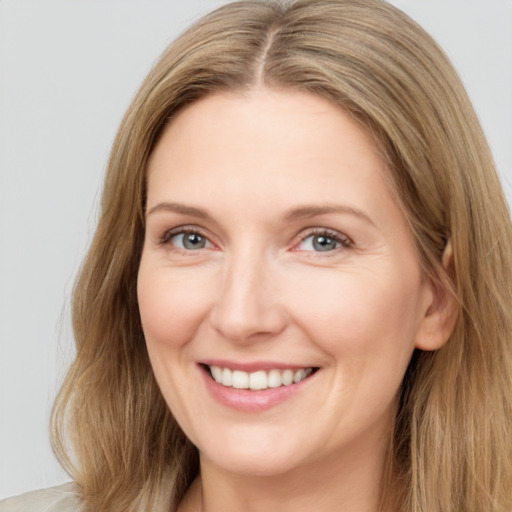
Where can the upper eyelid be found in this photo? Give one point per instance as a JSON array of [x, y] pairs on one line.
[[332, 233], [179, 230]]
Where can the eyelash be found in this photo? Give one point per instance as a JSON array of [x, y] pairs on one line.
[[344, 241], [184, 230]]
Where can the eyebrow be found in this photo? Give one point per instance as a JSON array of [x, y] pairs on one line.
[[180, 208], [309, 211], [293, 214]]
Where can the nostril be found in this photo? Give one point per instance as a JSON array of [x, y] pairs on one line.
[[245, 309]]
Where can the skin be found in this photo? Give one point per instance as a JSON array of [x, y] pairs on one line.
[[259, 290]]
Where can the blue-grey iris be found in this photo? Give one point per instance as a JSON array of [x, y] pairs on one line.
[[193, 241], [324, 243]]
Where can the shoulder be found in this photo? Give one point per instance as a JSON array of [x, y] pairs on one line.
[[64, 498]]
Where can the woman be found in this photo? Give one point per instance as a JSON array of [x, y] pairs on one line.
[[295, 293]]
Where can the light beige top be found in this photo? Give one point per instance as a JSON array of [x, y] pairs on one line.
[[63, 498]]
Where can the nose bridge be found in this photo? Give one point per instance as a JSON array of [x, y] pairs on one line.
[[246, 306]]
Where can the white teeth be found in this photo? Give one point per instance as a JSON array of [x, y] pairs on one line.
[[258, 380], [299, 375], [216, 373], [274, 379], [287, 377], [227, 377], [240, 379]]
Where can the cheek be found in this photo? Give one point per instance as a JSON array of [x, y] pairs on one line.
[[367, 328], [172, 305], [360, 315]]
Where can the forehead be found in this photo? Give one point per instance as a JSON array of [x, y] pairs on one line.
[[283, 133], [247, 160]]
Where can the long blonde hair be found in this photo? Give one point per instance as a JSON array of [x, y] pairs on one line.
[[451, 449]]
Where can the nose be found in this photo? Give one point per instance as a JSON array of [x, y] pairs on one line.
[[247, 307]]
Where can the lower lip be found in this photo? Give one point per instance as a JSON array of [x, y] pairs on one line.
[[252, 401]]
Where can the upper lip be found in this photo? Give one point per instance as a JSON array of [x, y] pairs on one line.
[[254, 365]]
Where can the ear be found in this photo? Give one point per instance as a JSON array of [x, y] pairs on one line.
[[442, 312]]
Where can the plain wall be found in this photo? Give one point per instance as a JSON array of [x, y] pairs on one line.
[[68, 70]]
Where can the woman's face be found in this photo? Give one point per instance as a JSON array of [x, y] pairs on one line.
[[274, 253]]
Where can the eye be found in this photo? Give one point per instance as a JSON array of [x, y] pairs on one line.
[[188, 240], [324, 241]]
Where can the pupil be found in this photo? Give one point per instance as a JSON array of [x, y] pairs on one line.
[[193, 241], [324, 243]]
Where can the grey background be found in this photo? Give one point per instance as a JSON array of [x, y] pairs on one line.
[[68, 70]]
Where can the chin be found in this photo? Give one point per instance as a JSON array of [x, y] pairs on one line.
[[252, 460]]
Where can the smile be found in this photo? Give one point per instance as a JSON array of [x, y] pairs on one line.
[[259, 380]]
